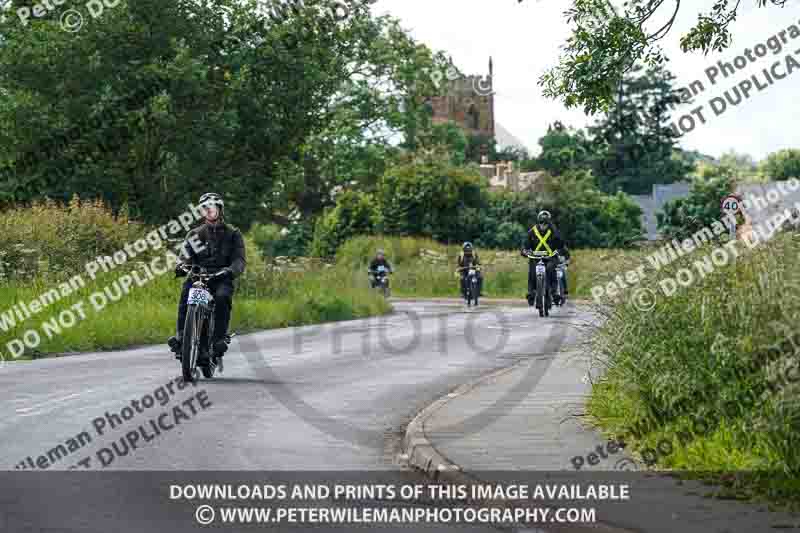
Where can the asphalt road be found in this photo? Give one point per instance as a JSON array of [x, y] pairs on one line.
[[333, 397]]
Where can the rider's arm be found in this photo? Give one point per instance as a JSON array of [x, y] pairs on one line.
[[186, 255], [527, 243], [238, 256]]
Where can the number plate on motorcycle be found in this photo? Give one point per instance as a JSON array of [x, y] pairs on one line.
[[199, 296], [540, 269]]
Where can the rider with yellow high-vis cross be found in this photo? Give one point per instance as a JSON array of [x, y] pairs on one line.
[[544, 237]]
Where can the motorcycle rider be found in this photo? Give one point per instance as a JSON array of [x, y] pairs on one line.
[[218, 247], [378, 261], [467, 258], [544, 236]]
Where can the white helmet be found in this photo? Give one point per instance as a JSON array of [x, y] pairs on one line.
[[212, 199]]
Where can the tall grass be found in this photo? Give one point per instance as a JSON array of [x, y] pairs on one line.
[[721, 350]]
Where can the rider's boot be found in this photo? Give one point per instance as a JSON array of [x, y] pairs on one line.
[[530, 299], [174, 344], [220, 346]]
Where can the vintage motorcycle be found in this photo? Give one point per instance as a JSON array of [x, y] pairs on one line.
[[543, 297], [198, 330], [380, 279], [470, 286]]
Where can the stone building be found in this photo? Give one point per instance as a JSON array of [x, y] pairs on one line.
[[469, 102]]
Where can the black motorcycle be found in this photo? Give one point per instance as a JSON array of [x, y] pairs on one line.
[[380, 279], [470, 284], [543, 297], [198, 330]]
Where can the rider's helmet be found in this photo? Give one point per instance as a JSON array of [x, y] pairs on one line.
[[212, 199], [467, 248], [543, 217], [379, 254]]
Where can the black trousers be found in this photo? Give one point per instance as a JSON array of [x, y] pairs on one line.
[[222, 290]]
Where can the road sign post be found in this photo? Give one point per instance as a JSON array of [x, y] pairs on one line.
[[731, 205]]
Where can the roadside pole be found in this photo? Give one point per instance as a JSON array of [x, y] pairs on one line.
[[730, 206]]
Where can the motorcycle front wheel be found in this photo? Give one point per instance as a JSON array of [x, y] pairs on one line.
[[190, 344], [540, 296]]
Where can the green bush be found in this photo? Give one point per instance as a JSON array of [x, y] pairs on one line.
[[355, 213], [431, 198], [683, 217], [274, 241], [57, 241], [266, 238], [782, 165]]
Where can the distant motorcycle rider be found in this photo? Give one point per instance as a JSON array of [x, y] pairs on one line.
[[378, 261], [544, 236], [467, 258], [219, 248]]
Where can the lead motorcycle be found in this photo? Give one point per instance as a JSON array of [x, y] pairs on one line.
[[198, 330], [471, 283], [543, 297]]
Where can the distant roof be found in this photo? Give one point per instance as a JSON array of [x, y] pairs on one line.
[[506, 139]]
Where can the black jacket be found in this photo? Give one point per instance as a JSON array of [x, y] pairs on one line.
[[220, 245], [465, 261], [554, 241], [375, 263]]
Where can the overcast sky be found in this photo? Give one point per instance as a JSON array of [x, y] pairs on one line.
[[524, 41]]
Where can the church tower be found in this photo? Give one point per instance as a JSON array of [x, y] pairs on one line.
[[469, 102]]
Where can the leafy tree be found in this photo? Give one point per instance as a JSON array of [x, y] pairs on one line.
[[450, 137], [475, 144], [429, 196], [606, 42], [564, 149], [513, 153], [782, 165], [586, 216], [375, 105], [236, 93], [633, 145]]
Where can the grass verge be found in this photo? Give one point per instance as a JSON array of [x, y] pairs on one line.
[[707, 382]]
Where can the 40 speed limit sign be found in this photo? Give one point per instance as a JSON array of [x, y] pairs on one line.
[[731, 204]]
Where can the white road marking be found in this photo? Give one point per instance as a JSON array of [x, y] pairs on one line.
[[25, 410]]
